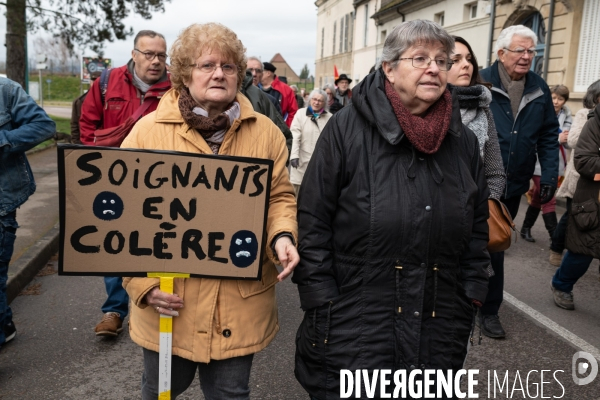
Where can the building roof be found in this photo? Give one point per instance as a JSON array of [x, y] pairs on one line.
[[284, 69]]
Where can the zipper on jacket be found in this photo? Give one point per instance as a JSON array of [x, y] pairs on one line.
[[398, 294], [512, 130], [315, 338], [328, 322], [435, 287]]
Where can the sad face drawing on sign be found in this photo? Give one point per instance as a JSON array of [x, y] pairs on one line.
[[108, 206]]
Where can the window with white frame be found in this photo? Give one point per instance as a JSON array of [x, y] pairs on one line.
[[588, 57], [346, 32], [366, 24], [350, 30], [322, 41], [439, 18], [334, 29], [342, 34], [473, 11]]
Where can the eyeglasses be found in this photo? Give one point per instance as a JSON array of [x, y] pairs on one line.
[[209, 68], [521, 52], [424, 62], [318, 100], [162, 57], [253, 70]]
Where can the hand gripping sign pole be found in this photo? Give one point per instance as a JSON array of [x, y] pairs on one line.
[[166, 336]]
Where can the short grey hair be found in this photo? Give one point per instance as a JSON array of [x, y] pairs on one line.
[[592, 96], [257, 59], [320, 92], [411, 33], [294, 88], [507, 34], [147, 33], [330, 87]]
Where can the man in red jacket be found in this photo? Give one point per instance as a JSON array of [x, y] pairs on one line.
[[111, 100], [288, 99], [143, 78]]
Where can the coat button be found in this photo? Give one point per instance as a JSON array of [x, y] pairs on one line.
[[416, 314], [423, 265], [412, 367], [428, 208], [226, 333]]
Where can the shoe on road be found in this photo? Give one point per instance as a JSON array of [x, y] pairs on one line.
[[491, 326], [555, 258], [563, 299], [526, 234], [111, 325], [10, 331]]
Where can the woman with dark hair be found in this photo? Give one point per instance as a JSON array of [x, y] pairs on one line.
[[474, 99], [393, 227], [579, 256]]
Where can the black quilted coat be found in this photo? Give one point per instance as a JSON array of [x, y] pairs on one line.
[[392, 245], [583, 229]]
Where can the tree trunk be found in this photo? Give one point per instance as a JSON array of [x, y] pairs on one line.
[[16, 34]]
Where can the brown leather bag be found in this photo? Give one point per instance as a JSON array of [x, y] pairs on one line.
[[113, 137], [501, 226]]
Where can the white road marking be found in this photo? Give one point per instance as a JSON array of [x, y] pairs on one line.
[[553, 326]]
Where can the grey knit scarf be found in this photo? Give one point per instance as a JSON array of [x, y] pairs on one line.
[[140, 84], [513, 88], [475, 110]]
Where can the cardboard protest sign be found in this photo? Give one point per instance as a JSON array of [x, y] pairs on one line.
[[126, 212]]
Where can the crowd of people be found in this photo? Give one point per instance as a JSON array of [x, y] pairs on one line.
[[378, 200]]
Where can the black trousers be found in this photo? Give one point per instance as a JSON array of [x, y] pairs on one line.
[[560, 233], [496, 284]]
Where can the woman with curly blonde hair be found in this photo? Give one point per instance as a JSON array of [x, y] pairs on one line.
[[224, 322]]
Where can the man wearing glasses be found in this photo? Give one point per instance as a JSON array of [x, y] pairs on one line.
[[525, 120], [112, 99]]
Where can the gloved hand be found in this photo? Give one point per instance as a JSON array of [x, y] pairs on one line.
[[546, 193], [295, 162]]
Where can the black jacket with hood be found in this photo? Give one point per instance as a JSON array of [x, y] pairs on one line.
[[392, 244], [583, 229]]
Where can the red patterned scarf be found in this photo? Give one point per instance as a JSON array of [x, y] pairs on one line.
[[427, 133]]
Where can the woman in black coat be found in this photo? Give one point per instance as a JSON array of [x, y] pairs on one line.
[[393, 227], [583, 228]]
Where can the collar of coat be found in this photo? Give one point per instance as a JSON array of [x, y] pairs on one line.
[[168, 112], [370, 100]]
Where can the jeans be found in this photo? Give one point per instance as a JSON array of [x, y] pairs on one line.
[[560, 233], [496, 284], [219, 379], [8, 229], [572, 267], [117, 300]]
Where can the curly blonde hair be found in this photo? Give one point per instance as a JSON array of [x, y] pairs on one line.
[[194, 40]]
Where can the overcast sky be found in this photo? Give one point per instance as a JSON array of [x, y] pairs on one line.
[[265, 27]]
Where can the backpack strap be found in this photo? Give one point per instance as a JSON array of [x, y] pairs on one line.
[[104, 77]]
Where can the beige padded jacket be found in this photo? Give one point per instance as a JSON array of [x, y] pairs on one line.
[[221, 318]]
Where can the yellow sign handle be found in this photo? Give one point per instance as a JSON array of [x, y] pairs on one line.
[[166, 336]]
